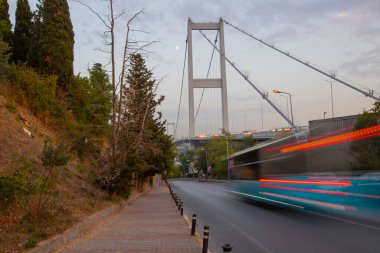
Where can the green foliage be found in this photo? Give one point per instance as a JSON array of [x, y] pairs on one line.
[[91, 101], [10, 106], [57, 41], [39, 90], [143, 147], [216, 156], [247, 142], [54, 156], [21, 38], [18, 184], [4, 57], [34, 54], [368, 150], [31, 242], [5, 23], [185, 160]]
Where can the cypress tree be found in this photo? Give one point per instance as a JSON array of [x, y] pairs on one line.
[[21, 39], [34, 54], [57, 41], [5, 23]]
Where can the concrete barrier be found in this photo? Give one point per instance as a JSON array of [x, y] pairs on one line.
[[78, 230]]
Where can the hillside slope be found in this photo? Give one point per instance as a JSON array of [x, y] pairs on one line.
[[69, 197]]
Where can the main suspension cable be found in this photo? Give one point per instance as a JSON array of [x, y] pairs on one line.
[[180, 96], [263, 94], [208, 72], [369, 93]]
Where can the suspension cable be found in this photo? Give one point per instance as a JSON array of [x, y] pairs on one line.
[[180, 96], [208, 72], [263, 94], [307, 64]]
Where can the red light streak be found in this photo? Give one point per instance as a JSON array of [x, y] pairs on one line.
[[346, 137], [308, 139], [309, 182]]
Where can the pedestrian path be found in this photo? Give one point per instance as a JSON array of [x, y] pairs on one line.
[[151, 224]]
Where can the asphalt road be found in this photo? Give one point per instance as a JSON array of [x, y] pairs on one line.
[[250, 227]]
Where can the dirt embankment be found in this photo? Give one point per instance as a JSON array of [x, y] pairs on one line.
[[71, 195]]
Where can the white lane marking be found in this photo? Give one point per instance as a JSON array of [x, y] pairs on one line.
[[258, 197], [344, 220], [315, 213], [248, 236]]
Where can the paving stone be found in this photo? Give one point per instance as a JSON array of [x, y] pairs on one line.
[[152, 224]]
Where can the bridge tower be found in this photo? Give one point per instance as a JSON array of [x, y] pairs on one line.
[[219, 83]]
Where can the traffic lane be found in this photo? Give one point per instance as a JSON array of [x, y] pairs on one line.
[[264, 228]]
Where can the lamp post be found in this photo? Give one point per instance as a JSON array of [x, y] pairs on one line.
[[287, 105], [262, 118], [332, 97], [245, 122], [290, 98]]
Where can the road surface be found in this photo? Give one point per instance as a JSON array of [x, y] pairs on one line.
[[250, 227]]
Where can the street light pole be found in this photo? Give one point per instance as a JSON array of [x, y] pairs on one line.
[[332, 97], [262, 118], [291, 104], [287, 105], [245, 122]]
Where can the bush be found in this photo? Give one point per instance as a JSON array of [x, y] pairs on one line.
[[31, 242], [11, 107], [18, 184]]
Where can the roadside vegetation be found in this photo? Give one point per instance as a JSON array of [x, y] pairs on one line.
[[73, 144], [210, 161], [367, 151]]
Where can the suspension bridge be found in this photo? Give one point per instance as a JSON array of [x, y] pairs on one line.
[[211, 108]]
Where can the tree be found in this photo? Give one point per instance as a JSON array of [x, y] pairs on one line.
[[5, 23], [57, 41], [143, 146], [4, 56], [185, 161], [368, 150], [101, 94], [22, 31], [34, 54]]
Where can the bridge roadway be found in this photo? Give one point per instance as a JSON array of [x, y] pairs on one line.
[[202, 139], [256, 228]]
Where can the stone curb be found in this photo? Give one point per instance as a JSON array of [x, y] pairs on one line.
[[81, 228]]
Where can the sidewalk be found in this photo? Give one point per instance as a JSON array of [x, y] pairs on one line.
[[152, 224]]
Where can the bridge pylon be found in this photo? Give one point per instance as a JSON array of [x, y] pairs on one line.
[[218, 83]]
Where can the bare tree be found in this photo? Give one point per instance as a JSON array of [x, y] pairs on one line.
[[130, 47]]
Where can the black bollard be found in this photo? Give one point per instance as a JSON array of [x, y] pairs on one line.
[[193, 224], [205, 239], [179, 205], [227, 248], [182, 210]]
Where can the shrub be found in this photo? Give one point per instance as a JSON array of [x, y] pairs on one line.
[[22, 182], [11, 107]]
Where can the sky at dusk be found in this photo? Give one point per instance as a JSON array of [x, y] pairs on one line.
[[337, 35]]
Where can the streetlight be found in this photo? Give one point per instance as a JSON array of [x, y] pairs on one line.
[[287, 106], [262, 118], [332, 100], [245, 122], [291, 105]]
